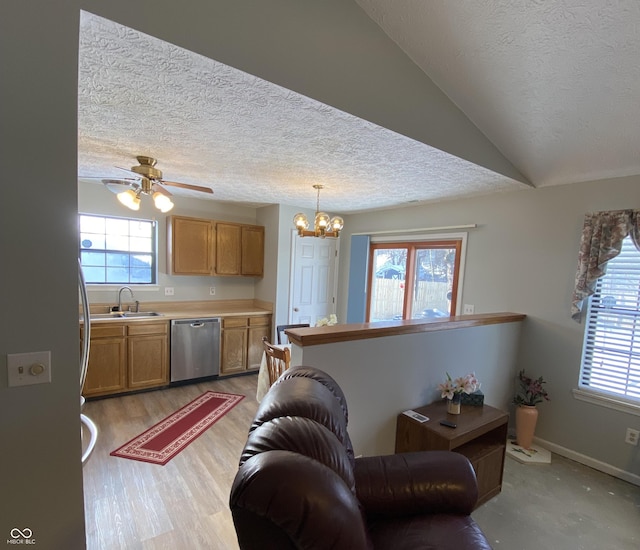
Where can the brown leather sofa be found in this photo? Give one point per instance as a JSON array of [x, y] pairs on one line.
[[299, 486]]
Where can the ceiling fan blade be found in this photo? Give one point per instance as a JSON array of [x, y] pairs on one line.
[[117, 186], [157, 187], [108, 178], [129, 171], [188, 186]]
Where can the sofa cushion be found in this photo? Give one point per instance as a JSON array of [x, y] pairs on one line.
[[303, 436], [306, 398]]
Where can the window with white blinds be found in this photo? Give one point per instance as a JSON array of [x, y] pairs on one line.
[[611, 350]]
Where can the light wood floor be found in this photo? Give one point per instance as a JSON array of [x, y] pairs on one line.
[[184, 504]]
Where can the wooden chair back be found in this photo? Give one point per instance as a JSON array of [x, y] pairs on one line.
[[282, 337], [278, 360]]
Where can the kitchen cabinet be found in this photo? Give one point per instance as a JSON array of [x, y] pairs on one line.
[[147, 360], [106, 371], [126, 357], [252, 250], [242, 343], [197, 246], [228, 249], [239, 249], [190, 246]]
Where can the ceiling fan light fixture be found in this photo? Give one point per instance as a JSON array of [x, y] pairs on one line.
[[323, 226], [162, 202], [130, 199]]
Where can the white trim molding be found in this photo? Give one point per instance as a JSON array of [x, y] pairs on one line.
[[606, 401], [588, 461]]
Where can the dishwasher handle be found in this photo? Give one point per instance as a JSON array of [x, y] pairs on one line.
[[197, 324]]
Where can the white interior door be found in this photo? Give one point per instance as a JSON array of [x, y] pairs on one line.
[[313, 285]]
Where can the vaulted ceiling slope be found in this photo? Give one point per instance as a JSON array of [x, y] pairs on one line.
[[554, 85], [256, 143]]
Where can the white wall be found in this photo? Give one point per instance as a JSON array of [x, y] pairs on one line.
[[381, 377], [522, 257]]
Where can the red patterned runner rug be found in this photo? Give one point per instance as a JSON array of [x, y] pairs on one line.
[[164, 440]]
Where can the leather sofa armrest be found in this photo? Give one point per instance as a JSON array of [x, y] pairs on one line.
[[432, 482], [284, 500]]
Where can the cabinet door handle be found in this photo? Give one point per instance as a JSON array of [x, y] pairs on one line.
[[296, 309]]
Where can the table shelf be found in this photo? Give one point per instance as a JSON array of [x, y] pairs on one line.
[[480, 435]]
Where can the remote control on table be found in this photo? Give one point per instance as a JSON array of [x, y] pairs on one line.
[[448, 424]]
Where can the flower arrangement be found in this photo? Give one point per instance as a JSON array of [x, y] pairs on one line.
[[531, 391], [463, 384], [332, 320]]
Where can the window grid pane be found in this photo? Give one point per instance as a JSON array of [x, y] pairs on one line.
[[117, 250], [611, 352], [388, 284]]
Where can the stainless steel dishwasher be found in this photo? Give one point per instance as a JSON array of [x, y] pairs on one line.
[[195, 348]]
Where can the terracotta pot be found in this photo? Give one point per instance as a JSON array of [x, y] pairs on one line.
[[453, 405], [526, 419]]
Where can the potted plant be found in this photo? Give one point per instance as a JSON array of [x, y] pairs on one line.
[[530, 393], [452, 390]]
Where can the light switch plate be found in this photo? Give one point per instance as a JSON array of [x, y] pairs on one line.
[[25, 369]]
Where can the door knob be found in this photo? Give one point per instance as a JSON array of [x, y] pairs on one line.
[[295, 309]]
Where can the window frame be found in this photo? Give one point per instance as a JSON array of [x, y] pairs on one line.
[[153, 284], [597, 311], [418, 242]]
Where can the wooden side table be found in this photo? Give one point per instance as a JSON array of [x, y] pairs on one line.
[[480, 435]]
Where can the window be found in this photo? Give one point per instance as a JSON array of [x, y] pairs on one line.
[[611, 350], [413, 280], [117, 250]]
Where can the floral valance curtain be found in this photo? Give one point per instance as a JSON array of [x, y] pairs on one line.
[[601, 241]]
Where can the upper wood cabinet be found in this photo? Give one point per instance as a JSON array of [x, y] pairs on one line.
[[252, 250], [228, 249], [198, 246], [190, 246]]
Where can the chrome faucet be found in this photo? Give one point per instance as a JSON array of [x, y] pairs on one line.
[[120, 297]]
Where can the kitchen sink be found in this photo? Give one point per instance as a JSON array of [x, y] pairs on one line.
[[140, 314], [125, 315]]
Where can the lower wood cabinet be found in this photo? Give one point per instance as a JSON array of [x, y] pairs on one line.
[[125, 357], [242, 342], [107, 370], [147, 362]]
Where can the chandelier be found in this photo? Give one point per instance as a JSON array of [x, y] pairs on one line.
[[322, 226]]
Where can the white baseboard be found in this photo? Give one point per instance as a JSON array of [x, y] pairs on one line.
[[588, 461]]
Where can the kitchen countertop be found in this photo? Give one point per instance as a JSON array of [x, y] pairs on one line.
[[185, 310]]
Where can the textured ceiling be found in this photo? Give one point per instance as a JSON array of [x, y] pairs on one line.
[[547, 83], [249, 140], [554, 85]]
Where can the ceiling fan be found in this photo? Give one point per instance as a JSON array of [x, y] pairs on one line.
[[148, 181]]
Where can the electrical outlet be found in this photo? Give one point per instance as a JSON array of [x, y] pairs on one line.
[[468, 309], [632, 436], [212, 290], [168, 291]]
